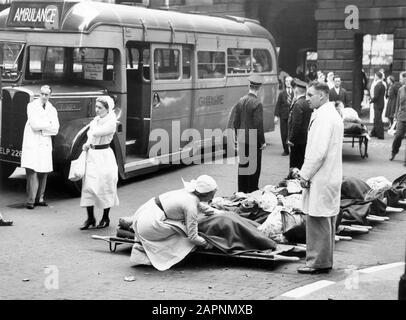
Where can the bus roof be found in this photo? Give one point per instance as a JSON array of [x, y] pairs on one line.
[[84, 16]]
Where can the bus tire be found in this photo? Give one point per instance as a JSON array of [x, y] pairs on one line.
[[6, 169]]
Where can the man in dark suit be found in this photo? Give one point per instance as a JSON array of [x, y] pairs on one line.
[[285, 99], [337, 93], [400, 117], [379, 103], [249, 127], [298, 123]]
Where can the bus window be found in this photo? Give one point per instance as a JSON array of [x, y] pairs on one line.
[[186, 59], [146, 63], [10, 60], [211, 64], [46, 60], [133, 56], [93, 63], [238, 60], [262, 60], [166, 64]]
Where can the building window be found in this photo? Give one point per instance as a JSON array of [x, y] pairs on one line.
[[211, 64]]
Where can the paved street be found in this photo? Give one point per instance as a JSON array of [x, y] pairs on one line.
[[87, 270]]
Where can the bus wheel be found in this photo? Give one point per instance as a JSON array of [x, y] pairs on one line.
[[6, 169]]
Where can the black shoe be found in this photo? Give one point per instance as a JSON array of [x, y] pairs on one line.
[[285, 153], [103, 223], [88, 223], [29, 206], [392, 157], [41, 204], [4, 223], [310, 270]]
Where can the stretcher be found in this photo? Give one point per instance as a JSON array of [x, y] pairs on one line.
[[284, 253], [362, 138]]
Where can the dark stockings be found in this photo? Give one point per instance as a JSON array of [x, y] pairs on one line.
[[90, 213]]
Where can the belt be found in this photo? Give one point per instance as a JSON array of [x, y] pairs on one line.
[[100, 146], [159, 204]]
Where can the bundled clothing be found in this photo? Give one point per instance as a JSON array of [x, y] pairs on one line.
[[99, 186]]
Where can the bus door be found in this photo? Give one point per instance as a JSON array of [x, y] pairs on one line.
[[138, 99], [171, 96]]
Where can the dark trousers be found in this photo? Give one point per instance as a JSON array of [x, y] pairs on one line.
[[36, 183], [377, 130], [297, 155], [283, 126], [249, 168], [400, 133]]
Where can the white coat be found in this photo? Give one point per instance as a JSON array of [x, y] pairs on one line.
[[323, 162], [37, 143]]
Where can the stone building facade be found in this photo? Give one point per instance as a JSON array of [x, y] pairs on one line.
[[340, 49]]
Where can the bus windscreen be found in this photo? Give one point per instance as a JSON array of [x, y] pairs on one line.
[[10, 60]]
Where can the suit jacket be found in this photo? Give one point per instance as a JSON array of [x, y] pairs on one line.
[[392, 94], [248, 114], [400, 113], [282, 105], [341, 96], [379, 96], [298, 123]]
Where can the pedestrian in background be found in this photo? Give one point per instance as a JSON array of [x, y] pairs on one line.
[[378, 100], [321, 77], [298, 123], [99, 186], [338, 93], [400, 117], [248, 124], [282, 107], [321, 176], [391, 95], [330, 80], [42, 123]]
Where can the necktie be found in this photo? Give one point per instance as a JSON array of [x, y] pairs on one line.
[[289, 96], [43, 106]]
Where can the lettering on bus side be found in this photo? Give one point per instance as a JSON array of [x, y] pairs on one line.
[[211, 100]]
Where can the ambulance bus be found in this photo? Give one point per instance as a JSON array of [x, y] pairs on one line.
[[167, 72]]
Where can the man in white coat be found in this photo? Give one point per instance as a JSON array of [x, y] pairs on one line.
[[36, 157], [321, 177]]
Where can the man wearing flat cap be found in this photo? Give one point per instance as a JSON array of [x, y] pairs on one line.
[[298, 123], [247, 121]]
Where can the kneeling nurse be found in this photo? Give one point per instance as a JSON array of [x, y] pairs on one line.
[[166, 226]]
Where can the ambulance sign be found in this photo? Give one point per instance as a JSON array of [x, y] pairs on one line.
[[34, 15]]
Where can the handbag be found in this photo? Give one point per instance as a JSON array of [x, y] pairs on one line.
[[392, 129], [78, 167]]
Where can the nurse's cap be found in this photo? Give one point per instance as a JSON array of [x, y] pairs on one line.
[[203, 184], [256, 80], [299, 83]]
